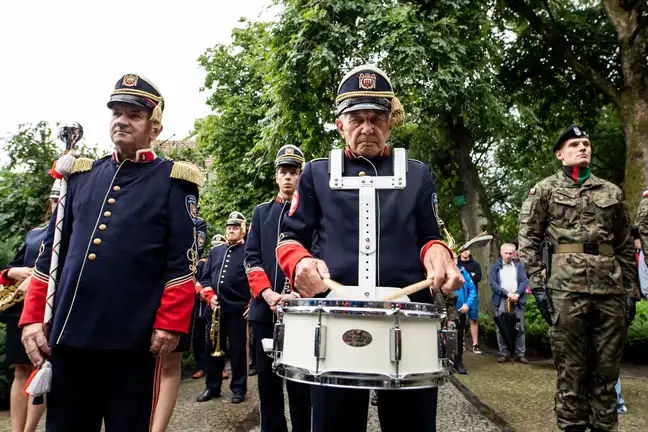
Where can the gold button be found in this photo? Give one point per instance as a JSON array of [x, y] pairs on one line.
[[111, 201], [92, 257], [96, 241], [361, 174], [107, 214], [116, 188], [102, 227]]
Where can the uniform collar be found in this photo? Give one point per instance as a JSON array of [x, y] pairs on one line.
[[385, 153], [238, 243], [280, 199], [141, 156]]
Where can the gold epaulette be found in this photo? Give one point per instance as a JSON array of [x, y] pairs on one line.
[[188, 172], [82, 165]]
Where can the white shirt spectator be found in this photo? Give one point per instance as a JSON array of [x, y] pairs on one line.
[[508, 276]]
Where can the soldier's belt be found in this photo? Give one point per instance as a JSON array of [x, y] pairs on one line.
[[588, 248]]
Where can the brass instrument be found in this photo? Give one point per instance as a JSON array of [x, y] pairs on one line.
[[10, 296], [215, 331]]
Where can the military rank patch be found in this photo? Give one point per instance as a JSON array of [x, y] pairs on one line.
[[192, 207], [532, 191], [526, 207], [201, 238], [293, 204]]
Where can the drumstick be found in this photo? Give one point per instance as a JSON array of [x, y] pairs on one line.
[[335, 287], [411, 289]]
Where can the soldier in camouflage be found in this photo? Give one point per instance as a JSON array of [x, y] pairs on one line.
[[641, 225], [593, 274]]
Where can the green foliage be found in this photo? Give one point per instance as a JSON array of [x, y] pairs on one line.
[[638, 331]]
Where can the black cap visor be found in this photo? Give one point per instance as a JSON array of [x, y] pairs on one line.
[[131, 100]]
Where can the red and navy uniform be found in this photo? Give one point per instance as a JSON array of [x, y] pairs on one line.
[[263, 273], [127, 262], [407, 227], [25, 257], [224, 276]]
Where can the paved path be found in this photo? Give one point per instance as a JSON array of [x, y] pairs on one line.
[[455, 412]]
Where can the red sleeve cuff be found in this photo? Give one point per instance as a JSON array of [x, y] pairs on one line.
[[288, 255], [429, 244], [34, 310], [209, 294], [174, 313], [4, 278], [198, 288], [258, 281]]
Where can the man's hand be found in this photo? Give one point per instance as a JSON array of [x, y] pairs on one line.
[[246, 312], [22, 288], [440, 266], [19, 274], [163, 342], [271, 297], [213, 303], [35, 343], [514, 297], [202, 295], [464, 309], [309, 273]]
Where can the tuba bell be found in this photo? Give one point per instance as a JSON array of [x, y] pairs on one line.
[[215, 331]]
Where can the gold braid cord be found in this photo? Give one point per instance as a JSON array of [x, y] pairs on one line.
[[81, 165], [156, 115], [355, 94], [188, 172]]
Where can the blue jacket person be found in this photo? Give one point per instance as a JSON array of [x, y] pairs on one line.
[[224, 283], [409, 242], [268, 285], [126, 285]]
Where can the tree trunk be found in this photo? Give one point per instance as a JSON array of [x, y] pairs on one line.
[[634, 116], [475, 214]]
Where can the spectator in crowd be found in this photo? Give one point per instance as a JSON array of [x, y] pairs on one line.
[[473, 268], [466, 298], [620, 406], [508, 282], [642, 268]]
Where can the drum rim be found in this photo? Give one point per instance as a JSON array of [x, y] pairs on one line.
[[365, 381], [361, 307]]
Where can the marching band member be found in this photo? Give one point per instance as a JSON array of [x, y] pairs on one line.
[[224, 283], [172, 362], [24, 415], [200, 311], [409, 242], [126, 286], [261, 266]]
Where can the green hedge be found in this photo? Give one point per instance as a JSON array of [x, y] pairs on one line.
[[537, 332]]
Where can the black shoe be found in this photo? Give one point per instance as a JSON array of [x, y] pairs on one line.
[[208, 395], [238, 398], [252, 371], [461, 370]]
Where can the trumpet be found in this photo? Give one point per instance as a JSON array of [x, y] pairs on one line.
[[214, 332], [10, 295]]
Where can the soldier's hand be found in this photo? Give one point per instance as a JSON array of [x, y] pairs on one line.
[[309, 275], [22, 288], [271, 297], [19, 274], [440, 266], [35, 343], [163, 342], [213, 303]]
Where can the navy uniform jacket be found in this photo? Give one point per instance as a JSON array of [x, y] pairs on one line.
[[128, 255], [26, 257], [260, 256], [406, 217], [224, 276]]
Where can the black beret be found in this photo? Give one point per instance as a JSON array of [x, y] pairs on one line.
[[572, 132]]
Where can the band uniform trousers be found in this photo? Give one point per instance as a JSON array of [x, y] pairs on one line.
[[587, 338], [337, 409], [119, 387], [200, 339], [233, 327], [271, 394]]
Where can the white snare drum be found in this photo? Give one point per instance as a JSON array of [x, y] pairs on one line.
[[359, 344]]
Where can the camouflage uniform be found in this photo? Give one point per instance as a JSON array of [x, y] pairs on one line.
[[588, 288], [641, 222]]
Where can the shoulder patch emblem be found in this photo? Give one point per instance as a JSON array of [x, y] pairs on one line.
[[294, 204], [526, 207], [532, 191], [645, 194], [192, 207], [201, 237]]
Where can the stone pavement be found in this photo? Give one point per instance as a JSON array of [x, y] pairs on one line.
[[455, 413]]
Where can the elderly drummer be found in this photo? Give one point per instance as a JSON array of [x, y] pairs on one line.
[[397, 241]]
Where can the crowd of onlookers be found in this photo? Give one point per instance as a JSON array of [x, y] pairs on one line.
[[509, 284]]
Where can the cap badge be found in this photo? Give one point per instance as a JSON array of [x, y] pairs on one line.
[[367, 81], [289, 151], [130, 80], [577, 131]]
